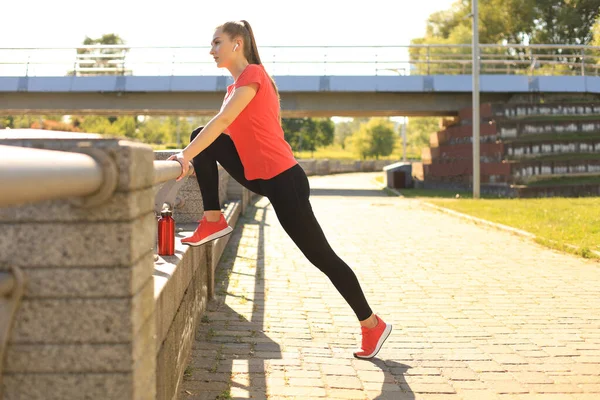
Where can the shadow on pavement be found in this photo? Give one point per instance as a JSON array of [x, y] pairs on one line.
[[394, 385], [223, 361]]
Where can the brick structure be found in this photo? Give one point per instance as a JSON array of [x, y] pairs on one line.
[[520, 144]]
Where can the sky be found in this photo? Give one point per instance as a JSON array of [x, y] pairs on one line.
[[59, 23], [66, 23]]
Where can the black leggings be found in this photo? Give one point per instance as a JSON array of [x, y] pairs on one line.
[[289, 194]]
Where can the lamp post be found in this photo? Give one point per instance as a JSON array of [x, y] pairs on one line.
[[476, 119], [405, 120]]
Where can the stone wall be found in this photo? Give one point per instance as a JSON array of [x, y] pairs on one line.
[[327, 167], [184, 283]]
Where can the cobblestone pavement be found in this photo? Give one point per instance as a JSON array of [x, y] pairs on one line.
[[478, 313]]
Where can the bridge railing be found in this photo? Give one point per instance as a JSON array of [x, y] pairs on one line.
[[418, 59]]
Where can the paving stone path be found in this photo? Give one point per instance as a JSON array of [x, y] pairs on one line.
[[478, 313]]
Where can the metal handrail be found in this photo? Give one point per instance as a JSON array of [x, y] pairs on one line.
[[433, 45], [32, 175], [168, 170], [290, 60], [28, 175]]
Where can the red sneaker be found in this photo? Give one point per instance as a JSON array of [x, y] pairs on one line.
[[208, 231], [372, 339]]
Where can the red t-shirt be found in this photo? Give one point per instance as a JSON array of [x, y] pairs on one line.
[[256, 132]]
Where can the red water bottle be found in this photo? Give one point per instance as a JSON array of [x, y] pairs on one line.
[[166, 233]]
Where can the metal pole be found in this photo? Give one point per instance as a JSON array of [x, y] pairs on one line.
[[178, 134], [476, 119], [167, 170], [404, 139]]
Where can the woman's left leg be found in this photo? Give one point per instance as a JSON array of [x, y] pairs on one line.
[[289, 194]]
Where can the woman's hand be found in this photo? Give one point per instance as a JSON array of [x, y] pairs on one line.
[[185, 164]]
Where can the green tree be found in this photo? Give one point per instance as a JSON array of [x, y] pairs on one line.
[[323, 135], [360, 143], [596, 33], [109, 38], [308, 133], [294, 130], [343, 130], [94, 61], [17, 121], [419, 129], [564, 22], [127, 126], [154, 130], [185, 129], [98, 124], [506, 22], [374, 139], [28, 121]]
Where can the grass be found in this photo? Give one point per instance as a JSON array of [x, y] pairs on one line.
[[556, 118], [435, 193], [210, 334], [566, 180], [556, 222], [557, 157], [224, 395], [188, 372], [540, 137]]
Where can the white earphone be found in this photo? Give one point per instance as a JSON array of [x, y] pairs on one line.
[[235, 47]]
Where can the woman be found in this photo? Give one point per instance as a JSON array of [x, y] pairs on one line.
[[253, 151]]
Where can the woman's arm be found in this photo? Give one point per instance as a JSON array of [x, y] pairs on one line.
[[240, 99]]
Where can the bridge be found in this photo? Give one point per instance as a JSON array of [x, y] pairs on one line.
[[313, 81]]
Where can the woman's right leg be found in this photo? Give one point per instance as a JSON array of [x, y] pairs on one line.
[[223, 151]]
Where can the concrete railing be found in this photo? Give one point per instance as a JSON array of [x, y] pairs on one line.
[[85, 310], [86, 323]]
